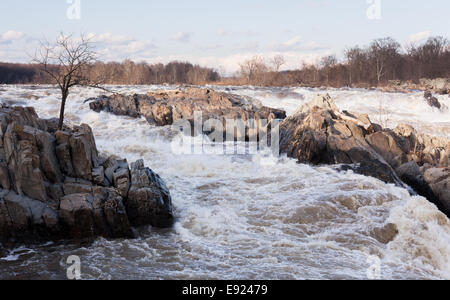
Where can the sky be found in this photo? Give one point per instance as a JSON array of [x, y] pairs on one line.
[[219, 34]]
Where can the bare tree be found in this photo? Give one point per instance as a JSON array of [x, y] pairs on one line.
[[384, 52], [67, 61], [248, 69], [254, 70], [355, 62], [277, 62], [327, 63]]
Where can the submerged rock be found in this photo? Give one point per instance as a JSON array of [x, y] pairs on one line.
[[432, 101], [319, 133], [53, 184]]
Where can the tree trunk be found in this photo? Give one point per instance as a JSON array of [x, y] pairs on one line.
[[61, 113]]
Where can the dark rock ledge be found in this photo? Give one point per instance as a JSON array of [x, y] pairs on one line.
[[54, 184], [167, 107], [319, 133]]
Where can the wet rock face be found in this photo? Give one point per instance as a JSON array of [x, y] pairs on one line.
[[439, 182], [165, 108], [438, 85], [53, 184], [319, 133], [148, 198], [432, 101]]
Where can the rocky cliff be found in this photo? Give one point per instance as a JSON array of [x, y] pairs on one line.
[[54, 184], [319, 133]]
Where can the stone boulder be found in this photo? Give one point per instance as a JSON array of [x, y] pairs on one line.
[[167, 107], [148, 198], [23, 217], [438, 85], [54, 184], [439, 181], [432, 101], [319, 133]]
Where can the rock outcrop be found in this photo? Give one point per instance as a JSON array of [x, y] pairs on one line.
[[319, 133], [439, 85], [54, 184], [166, 107], [431, 100]]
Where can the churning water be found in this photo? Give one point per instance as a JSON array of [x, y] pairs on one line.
[[254, 217]]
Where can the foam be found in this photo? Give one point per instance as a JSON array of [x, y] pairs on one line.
[[260, 216]]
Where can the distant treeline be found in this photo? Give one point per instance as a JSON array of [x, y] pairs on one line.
[[376, 64], [126, 72]]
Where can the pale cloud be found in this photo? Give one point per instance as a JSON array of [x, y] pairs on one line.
[[11, 35], [297, 44], [133, 47], [295, 41], [182, 37], [110, 38], [117, 47], [313, 46], [420, 36]]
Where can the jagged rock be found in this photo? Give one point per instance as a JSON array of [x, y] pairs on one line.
[[319, 133], [316, 134], [384, 143], [432, 101], [22, 217], [54, 192], [56, 186], [439, 181], [24, 165], [439, 85], [100, 213], [25, 116], [110, 166], [110, 213], [98, 176], [63, 152], [121, 180], [77, 215], [148, 198], [166, 108], [4, 176], [411, 174], [84, 152], [73, 186]]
